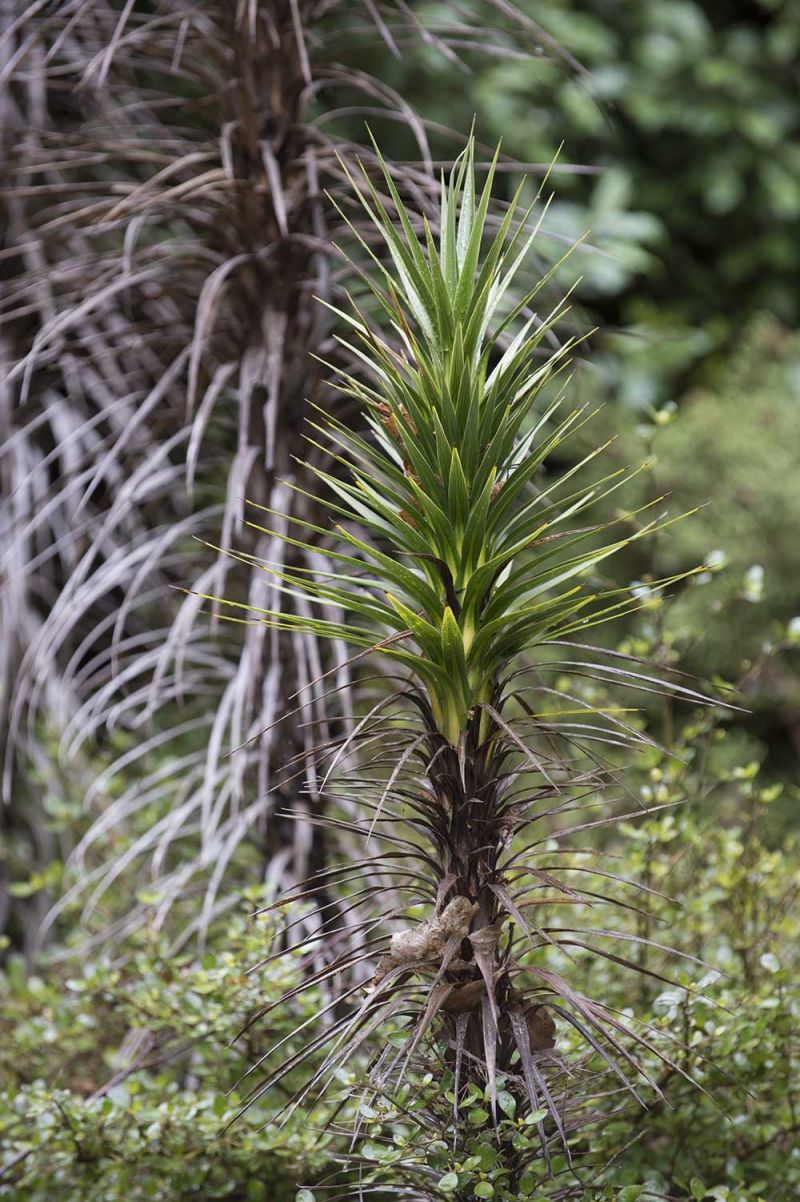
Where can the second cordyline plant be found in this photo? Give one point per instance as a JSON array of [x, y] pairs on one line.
[[464, 577]]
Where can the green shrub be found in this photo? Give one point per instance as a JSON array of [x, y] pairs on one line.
[[731, 452], [114, 1079], [737, 911]]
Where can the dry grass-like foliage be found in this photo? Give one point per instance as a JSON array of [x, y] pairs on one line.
[[165, 234]]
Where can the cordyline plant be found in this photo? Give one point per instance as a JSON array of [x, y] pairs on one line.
[[463, 573]]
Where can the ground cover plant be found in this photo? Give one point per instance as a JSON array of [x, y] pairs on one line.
[[116, 1079]]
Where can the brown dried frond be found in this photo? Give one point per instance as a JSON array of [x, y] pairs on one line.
[[427, 940], [166, 232]]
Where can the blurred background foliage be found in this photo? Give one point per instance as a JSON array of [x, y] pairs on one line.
[[732, 449], [684, 121]]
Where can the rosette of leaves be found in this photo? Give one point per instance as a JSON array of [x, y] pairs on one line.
[[462, 574]]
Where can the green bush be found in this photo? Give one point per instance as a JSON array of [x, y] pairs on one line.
[[731, 452], [737, 911], [733, 449], [114, 1079]]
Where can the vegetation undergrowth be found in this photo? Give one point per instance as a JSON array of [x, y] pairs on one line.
[[113, 1078]]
